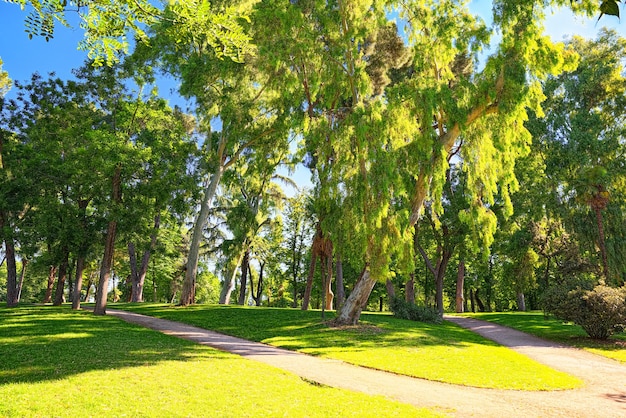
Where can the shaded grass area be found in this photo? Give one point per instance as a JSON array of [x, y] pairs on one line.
[[445, 353], [55, 362], [536, 323]]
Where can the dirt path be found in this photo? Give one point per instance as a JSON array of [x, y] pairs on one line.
[[604, 393]]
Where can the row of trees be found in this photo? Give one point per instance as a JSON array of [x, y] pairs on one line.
[[421, 142]]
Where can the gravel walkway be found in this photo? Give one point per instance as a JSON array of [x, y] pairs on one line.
[[604, 393]]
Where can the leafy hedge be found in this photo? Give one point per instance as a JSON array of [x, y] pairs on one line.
[[405, 310], [600, 311]]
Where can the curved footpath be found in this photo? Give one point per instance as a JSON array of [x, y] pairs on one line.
[[603, 395]]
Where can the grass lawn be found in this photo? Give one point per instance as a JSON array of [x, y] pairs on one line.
[[445, 353], [55, 362], [556, 330]]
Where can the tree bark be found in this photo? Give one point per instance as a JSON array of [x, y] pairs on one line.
[[138, 273], [109, 248], [78, 286], [460, 284], [521, 302], [409, 289], [52, 273], [327, 276], [245, 267], [339, 285], [189, 286], [229, 282], [357, 300], [59, 295], [309, 282], [21, 282], [391, 289], [9, 250]]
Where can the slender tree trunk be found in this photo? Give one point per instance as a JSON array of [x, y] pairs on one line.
[[138, 273], [109, 248], [52, 273], [327, 273], [357, 300], [80, 268], [602, 243], [259, 289], [409, 289], [88, 288], [391, 289], [189, 286], [472, 301], [245, 266], [9, 250], [229, 282], [309, 282], [481, 305], [460, 284], [59, 295], [21, 282], [339, 285]]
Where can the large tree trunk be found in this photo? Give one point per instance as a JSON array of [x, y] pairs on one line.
[[9, 250], [357, 300], [59, 296], [109, 248], [189, 286], [460, 284], [78, 286]]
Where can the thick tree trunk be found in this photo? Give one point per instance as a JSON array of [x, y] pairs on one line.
[[109, 248], [409, 289], [189, 286], [339, 286], [309, 282], [78, 286], [521, 302], [59, 295], [460, 284], [52, 274], [357, 300]]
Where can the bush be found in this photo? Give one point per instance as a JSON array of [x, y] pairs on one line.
[[405, 310], [600, 311]]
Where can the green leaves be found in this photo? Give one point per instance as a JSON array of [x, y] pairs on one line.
[[609, 7]]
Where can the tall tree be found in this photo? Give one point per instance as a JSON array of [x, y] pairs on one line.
[[581, 142]]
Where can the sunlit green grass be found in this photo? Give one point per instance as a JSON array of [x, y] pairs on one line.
[[538, 324], [58, 363], [445, 353]]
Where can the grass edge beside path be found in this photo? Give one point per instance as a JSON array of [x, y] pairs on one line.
[[552, 329], [58, 362], [444, 353]]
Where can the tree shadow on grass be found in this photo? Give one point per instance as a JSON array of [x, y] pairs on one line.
[[44, 343]]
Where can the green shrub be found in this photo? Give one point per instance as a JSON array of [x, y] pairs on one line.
[[600, 311], [405, 310]]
